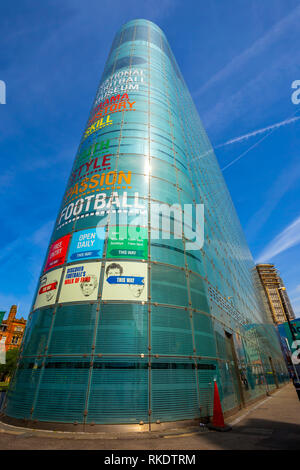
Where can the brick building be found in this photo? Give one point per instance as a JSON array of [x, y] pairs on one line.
[[12, 329]]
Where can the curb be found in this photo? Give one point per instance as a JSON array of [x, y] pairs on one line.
[[27, 432]]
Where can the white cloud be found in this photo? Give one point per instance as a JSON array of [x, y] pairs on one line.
[[285, 181], [258, 131], [241, 138], [258, 47], [42, 235], [237, 100], [288, 238]]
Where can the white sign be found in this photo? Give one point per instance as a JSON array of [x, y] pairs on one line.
[[48, 288], [2, 350], [125, 281], [80, 282]]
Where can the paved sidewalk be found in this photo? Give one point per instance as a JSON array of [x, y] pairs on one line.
[[273, 423]]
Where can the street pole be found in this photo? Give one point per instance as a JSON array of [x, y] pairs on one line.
[[296, 382]]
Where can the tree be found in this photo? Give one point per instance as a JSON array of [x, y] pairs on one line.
[[7, 369]]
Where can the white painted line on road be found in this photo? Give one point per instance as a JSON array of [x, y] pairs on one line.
[[170, 436], [240, 418]]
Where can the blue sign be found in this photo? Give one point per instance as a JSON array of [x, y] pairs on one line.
[[125, 280], [87, 244]]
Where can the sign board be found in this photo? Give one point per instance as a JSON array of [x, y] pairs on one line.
[[125, 281], [48, 287], [87, 244], [80, 282], [57, 253], [284, 330], [127, 242]]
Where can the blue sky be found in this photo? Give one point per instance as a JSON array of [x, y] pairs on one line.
[[239, 59]]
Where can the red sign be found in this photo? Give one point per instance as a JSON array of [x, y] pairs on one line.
[[48, 287], [57, 252]]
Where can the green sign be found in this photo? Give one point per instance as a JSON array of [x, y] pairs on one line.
[[127, 242], [295, 324], [1, 316]]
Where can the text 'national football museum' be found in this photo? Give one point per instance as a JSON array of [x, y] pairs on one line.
[[148, 292]]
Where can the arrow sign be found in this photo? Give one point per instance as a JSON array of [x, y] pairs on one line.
[[126, 252], [59, 260], [126, 280], [85, 254], [48, 287]]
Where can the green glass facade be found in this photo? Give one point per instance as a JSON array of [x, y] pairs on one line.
[[127, 331]]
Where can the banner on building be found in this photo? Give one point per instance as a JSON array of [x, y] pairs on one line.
[[87, 244], [127, 242], [125, 281], [57, 253], [80, 282], [48, 289]]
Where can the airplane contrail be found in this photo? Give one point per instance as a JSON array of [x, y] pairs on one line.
[[259, 131]]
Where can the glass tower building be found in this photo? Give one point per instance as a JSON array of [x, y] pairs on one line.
[[131, 322]]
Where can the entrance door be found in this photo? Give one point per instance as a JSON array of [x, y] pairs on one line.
[[274, 372], [233, 368]]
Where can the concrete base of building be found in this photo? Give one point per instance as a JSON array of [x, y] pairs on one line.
[[141, 427], [101, 428], [271, 424]]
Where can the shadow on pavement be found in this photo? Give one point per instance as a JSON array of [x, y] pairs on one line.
[[257, 433]]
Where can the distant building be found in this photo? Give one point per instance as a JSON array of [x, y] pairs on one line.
[[275, 292], [12, 329], [287, 301]]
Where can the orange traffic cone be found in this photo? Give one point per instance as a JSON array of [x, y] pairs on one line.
[[217, 423]]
